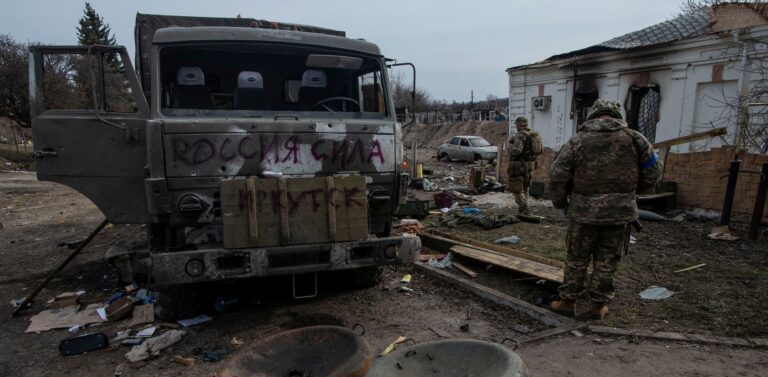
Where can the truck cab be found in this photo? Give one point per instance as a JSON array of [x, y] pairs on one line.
[[246, 151]]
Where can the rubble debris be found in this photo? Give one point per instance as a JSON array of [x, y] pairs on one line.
[[406, 278], [722, 233], [153, 346], [63, 318], [83, 343], [188, 361], [458, 195], [656, 293], [486, 222], [132, 342], [392, 345], [142, 314], [691, 268], [511, 240], [194, 321], [522, 329], [119, 309], [147, 332], [428, 185], [120, 336], [236, 342]]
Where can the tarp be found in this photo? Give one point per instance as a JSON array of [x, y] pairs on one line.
[[148, 24]]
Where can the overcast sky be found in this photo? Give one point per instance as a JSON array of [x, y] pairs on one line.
[[456, 47]]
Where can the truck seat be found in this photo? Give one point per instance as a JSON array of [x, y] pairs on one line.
[[190, 91], [314, 87], [250, 94]]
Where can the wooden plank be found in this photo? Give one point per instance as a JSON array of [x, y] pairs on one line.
[[692, 137], [330, 190], [234, 213], [285, 226], [268, 212], [673, 336], [550, 332], [542, 315], [307, 211], [351, 208], [655, 196], [464, 269], [543, 271], [497, 248]]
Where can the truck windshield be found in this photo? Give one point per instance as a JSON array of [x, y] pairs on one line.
[[252, 80]]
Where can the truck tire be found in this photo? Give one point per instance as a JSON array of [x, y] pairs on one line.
[[367, 277], [176, 301]]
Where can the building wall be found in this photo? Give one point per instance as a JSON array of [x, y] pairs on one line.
[[697, 79]]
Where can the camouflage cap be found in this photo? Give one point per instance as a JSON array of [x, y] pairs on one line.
[[604, 107], [521, 121]]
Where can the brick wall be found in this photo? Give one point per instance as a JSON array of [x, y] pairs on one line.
[[698, 177]]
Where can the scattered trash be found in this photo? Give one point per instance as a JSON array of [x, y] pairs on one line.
[[212, 357], [115, 297], [147, 333], [63, 318], [406, 278], [406, 289], [236, 342], [483, 221], [722, 233], [132, 342], [576, 333], [142, 314], [472, 211], [392, 345], [119, 309], [651, 216], [443, 263], [76, 329], [678, 219], [70, 245], [534, 219], [131, 287], [521, 329], [83, 343], [153, 346], [226, 304], [17, 301], [699, 214], [428, 185], [409, 222], [691, 268], [464, 327], [145, 296], [449, 179], [632, 239], [65, 299], [102, 312], [121, 335], [656, 293], [508, 240], [194, 321], [442, 200], [188, 361]]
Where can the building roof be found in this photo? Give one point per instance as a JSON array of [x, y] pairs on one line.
[[719, 18]]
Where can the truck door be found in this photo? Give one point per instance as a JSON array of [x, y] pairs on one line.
[[88, 123]]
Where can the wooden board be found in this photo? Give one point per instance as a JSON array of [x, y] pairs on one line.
[[437, 235], [529, 267], [465, 270], [260, 212]]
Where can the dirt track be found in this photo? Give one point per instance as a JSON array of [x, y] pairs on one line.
[[37, 216]]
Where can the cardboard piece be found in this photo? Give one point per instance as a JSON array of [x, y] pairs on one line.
[[64, 300], [142, 314], [63, 318], [119, 309]]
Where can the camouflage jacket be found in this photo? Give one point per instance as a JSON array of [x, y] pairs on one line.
[[520, 145], [599, 170]]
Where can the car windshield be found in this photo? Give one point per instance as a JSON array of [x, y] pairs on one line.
[[479, 142], [254, 80]]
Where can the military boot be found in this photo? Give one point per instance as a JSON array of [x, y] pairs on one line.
[[598, 310], [563, 306]]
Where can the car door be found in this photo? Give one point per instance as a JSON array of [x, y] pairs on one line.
[[465, 149], [88, 121]]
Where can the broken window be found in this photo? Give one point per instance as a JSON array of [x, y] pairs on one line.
[[642, 107]]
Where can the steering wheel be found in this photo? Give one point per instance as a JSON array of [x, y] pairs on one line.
[[322, 102]]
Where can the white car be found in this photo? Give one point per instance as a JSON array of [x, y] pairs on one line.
[[467, 148]]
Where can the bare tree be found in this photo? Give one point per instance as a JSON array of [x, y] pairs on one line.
[[14, 87], [401, 94], [691, 6]]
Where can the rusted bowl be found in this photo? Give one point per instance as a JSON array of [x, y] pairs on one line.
[[449, 358], [314, 351]]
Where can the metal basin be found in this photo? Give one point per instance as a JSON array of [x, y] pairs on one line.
[[315, 351], [448, 358]]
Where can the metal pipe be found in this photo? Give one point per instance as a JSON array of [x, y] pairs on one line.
[[730, 190], [61, 266], [757, 211]]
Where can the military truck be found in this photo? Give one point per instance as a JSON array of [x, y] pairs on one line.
[[247, 148]]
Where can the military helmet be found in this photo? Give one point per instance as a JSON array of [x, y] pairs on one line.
[[604, 107], [521, 121]]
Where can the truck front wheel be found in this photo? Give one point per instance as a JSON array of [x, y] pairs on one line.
[[177, 301]]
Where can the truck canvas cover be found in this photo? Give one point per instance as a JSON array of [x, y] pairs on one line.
[[148, 24]]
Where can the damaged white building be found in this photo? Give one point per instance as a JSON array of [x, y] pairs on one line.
[[682, 76]]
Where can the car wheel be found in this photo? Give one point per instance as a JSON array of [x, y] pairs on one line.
[[443, 156], [476, 158]]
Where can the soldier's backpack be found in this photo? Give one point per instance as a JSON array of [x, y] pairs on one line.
[[535, 146]]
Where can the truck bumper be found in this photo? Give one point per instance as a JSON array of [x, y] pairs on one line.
[[221, 264]]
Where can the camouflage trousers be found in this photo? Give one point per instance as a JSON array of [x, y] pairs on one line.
[[520, 185], [521, 198], [601, 245]]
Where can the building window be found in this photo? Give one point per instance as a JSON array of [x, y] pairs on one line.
[[642, 105]]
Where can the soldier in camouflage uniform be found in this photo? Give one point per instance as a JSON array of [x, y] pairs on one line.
[[522, 162], [595, 178]]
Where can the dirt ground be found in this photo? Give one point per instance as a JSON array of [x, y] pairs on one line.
[[38, 216]]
